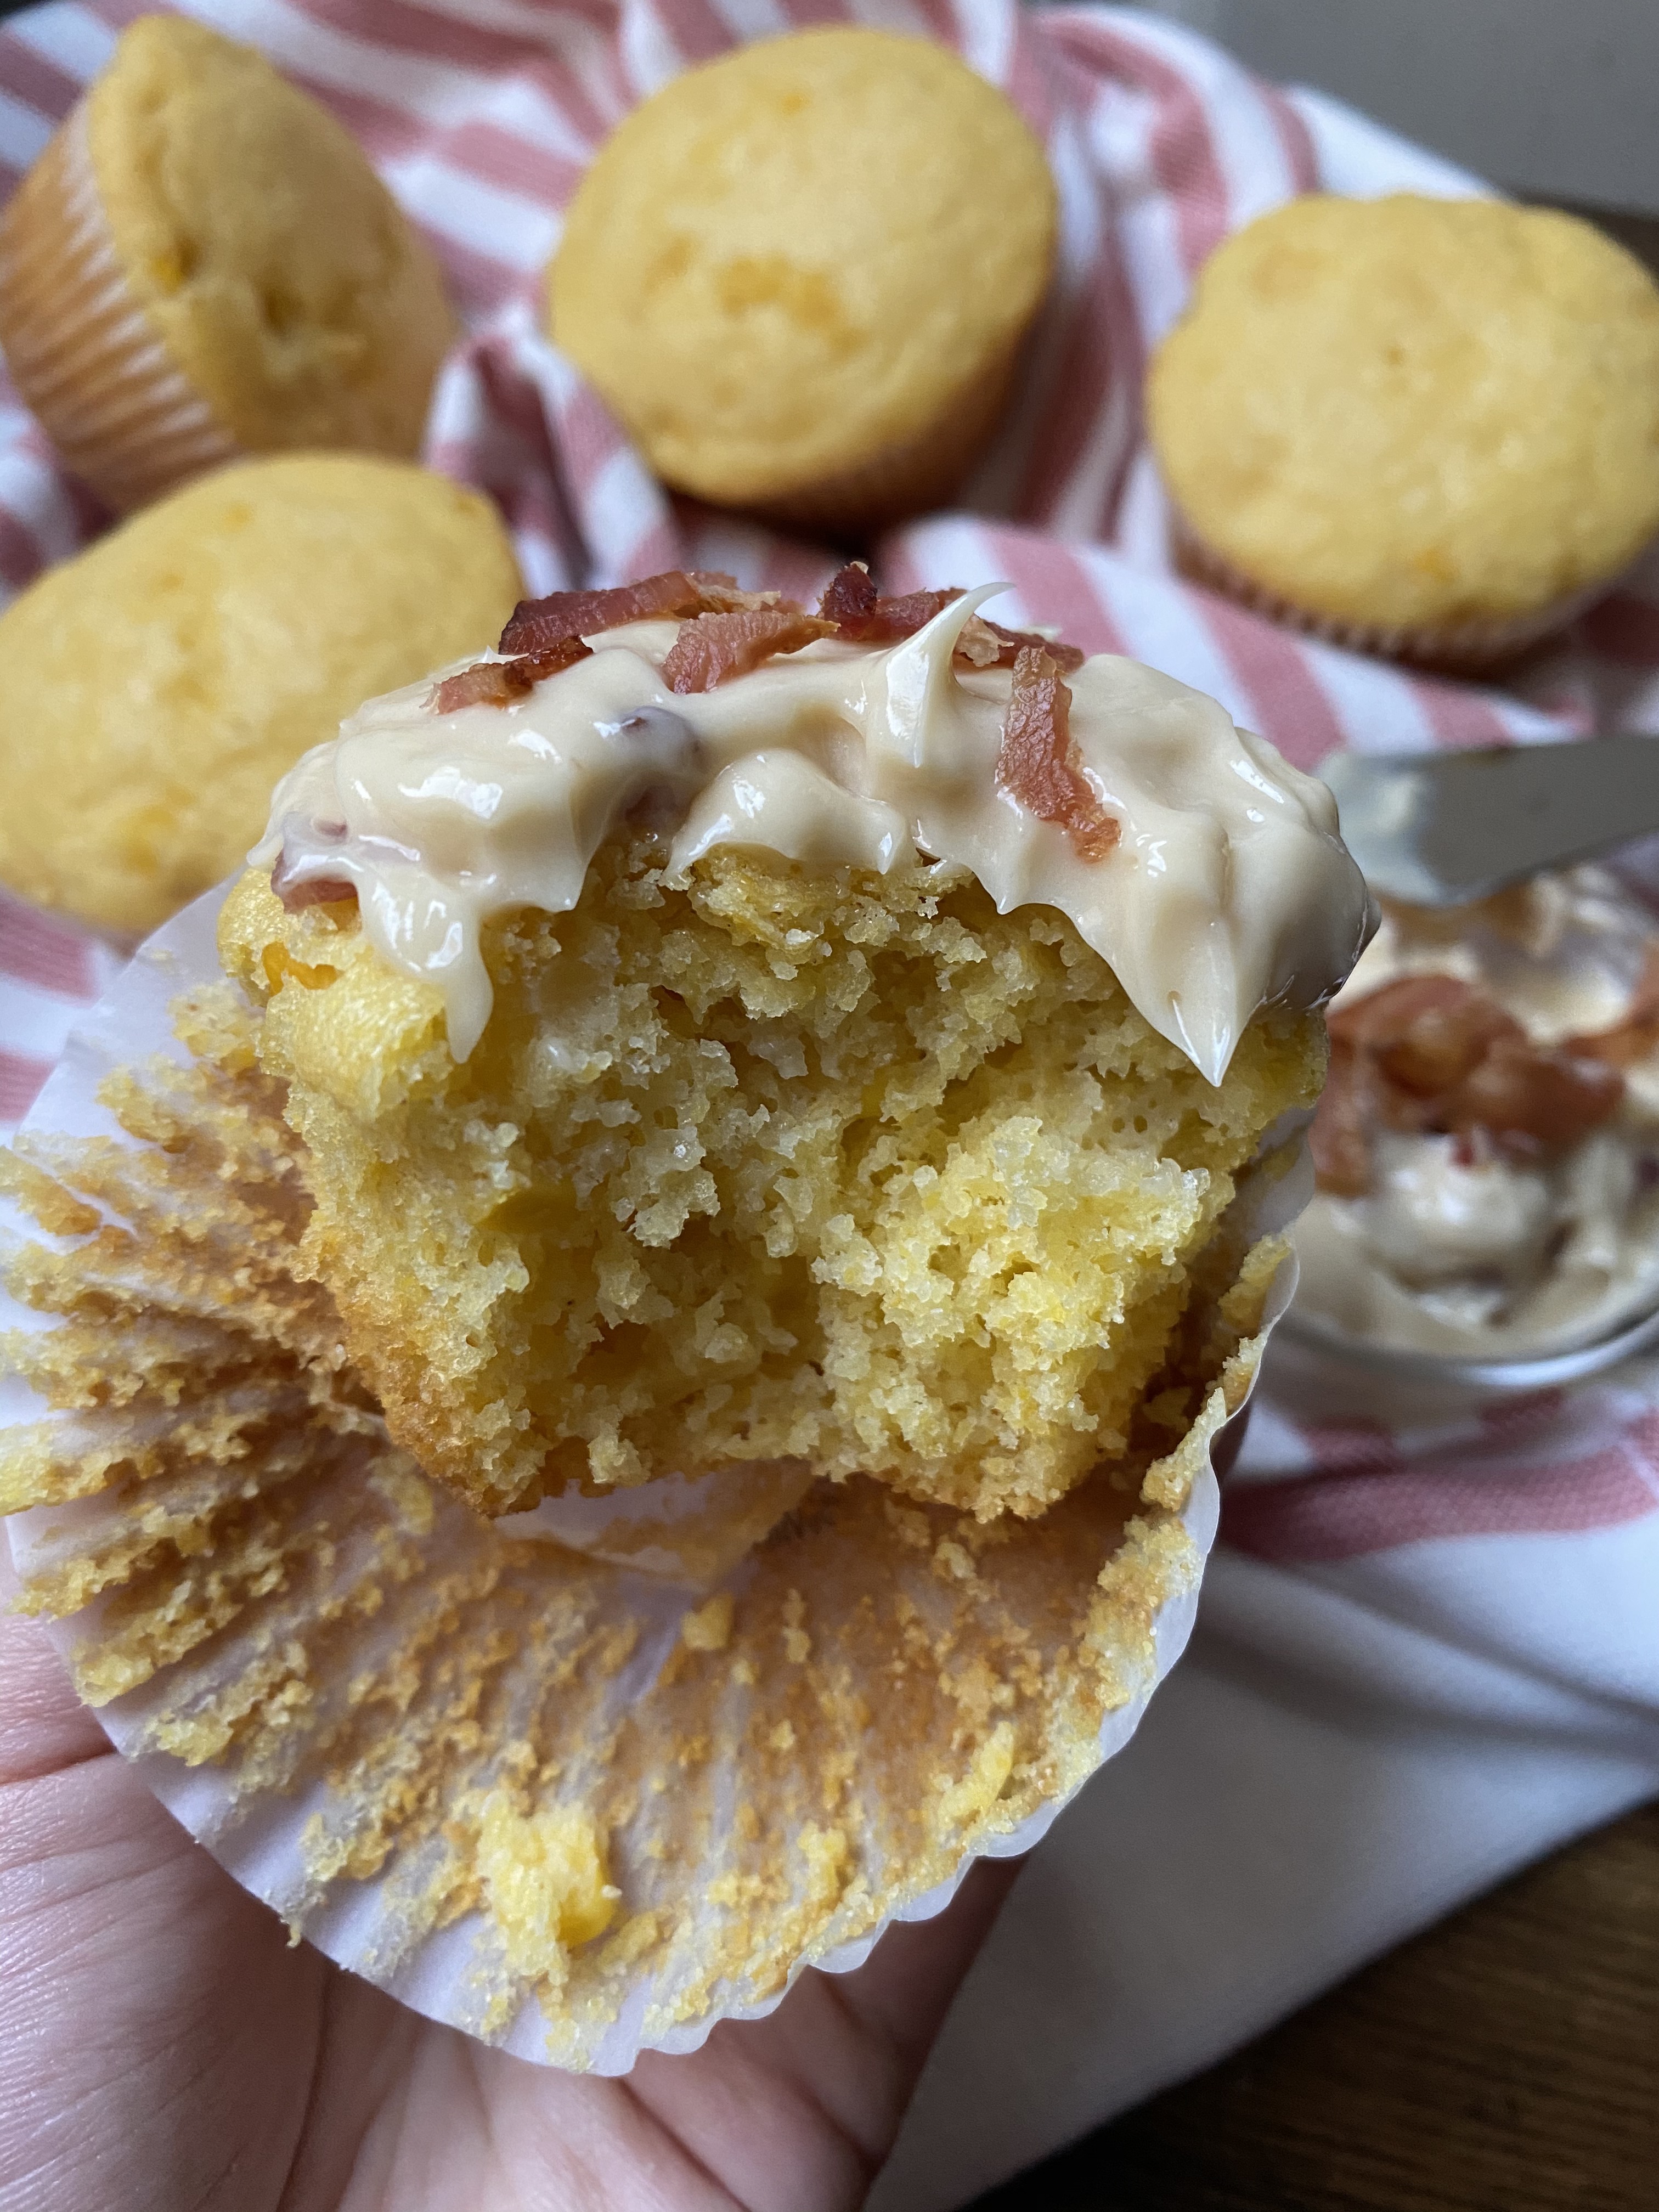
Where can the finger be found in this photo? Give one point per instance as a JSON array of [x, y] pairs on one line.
[[797, 2112], [905, 1990], [44, 1726]]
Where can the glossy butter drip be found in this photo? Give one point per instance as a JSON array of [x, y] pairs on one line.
[[1229, 888]]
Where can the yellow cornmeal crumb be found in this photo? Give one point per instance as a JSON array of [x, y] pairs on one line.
[[782, 1165], [825, 1853], [972, 1797], [545, 1875], [710, 1628]]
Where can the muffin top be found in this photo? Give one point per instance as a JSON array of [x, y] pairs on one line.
[[890, 735], [158, 685], [796, 258], [265, 252], [1415, 411]]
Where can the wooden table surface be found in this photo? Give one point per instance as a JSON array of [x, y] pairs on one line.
[[1506, 2061]]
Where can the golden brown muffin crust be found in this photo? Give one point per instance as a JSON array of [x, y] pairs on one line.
[[157, 686], [276, 267], [804, 258], [1410, 411]]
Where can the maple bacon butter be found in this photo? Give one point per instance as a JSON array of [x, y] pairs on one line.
[[1487, 1148], [722, 1033]]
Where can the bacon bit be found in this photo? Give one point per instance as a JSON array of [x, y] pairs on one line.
[[1530, 1100], [315, 890], [849, 596], [499, 682], [985, 644], [1426, 1032], [718, 594], [535, 624], [486, 683], [1339, 1139], [1429, 1053], [1039, 763], [713, 648], [850, 602]]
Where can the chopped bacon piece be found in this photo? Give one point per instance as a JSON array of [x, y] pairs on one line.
[[1426, 1032], [1039, 763], [985, 644], [1430, 1052], [314, 891], [535, 624], [851, 603], [713, 648], [1339, 1139], [486, 683], [718, 594], [849, 596], [1531, 1100], [499, 682]]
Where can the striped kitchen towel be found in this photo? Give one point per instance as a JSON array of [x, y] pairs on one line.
[[1426, 1652]]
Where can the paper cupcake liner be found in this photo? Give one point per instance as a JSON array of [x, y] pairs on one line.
[[576, 1810], [79, 346], [905, 479], [1466, 648]]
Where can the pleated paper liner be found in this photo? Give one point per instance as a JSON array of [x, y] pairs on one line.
[[575, 1809], [82, 352], [1466, 648]]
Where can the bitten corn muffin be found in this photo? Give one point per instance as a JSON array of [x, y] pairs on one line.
[[699, 1019], [203, 264], [157, 685], [1430, 427], [801, 275], [784, 1163]]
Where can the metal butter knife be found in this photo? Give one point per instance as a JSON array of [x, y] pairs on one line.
[[1443, 828]]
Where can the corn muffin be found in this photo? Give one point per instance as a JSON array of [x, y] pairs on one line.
[[158, 684], [801, 275], [1426, 427], [721, 1034], [573, 1808], [202, 264]]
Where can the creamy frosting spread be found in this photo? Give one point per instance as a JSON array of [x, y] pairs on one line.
[[1457, 1246], [1228, 887]]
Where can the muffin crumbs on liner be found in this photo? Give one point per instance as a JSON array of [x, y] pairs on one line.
[[490, 1726]]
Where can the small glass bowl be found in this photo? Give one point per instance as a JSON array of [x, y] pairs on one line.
[[1455, 1371]]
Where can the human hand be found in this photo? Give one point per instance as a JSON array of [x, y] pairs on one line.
[[163, 2049]]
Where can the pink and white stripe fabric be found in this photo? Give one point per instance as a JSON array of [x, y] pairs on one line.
[[1426, 1651]]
